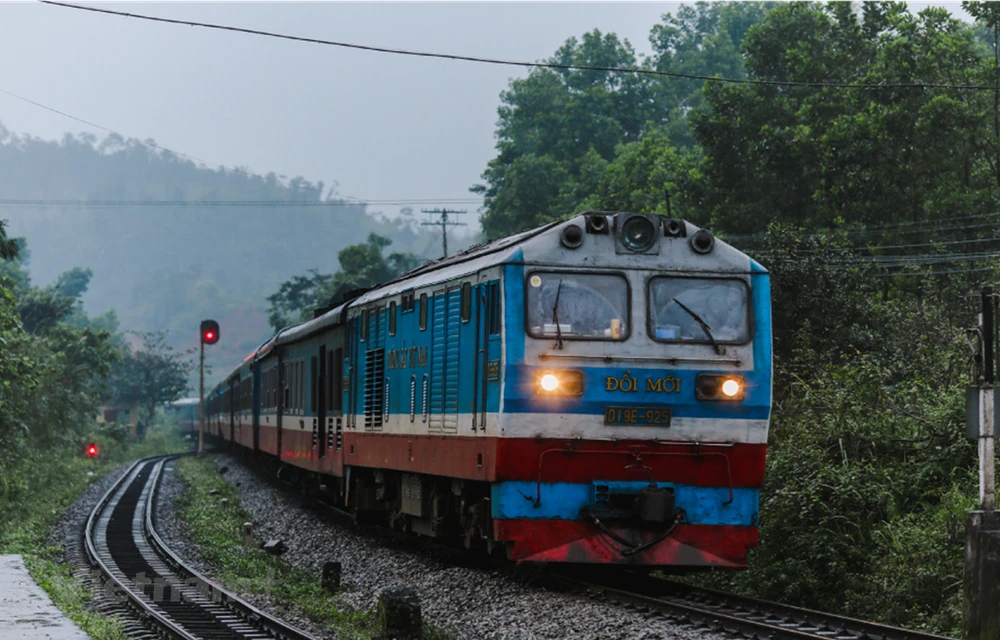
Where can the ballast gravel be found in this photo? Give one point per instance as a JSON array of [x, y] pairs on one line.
[[465, 603]]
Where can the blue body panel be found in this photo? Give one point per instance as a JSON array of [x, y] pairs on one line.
[[564, 500]]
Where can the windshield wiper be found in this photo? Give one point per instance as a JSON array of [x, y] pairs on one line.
[[704, 325], [555, 316]]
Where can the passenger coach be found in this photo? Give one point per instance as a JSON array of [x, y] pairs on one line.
[[595, 390]]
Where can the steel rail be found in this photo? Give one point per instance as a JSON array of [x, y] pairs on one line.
[[743, 616], [184, 604]]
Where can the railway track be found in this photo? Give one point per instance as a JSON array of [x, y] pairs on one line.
[[738, 616], [138, 568]]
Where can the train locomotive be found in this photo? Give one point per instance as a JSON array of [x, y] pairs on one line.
[[596, 390]]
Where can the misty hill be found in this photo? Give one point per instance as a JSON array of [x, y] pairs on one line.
[[169, 265]]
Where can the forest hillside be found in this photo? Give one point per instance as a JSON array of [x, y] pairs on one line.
[[162, 259]]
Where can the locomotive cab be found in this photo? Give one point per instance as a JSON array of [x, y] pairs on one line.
[[640, 389]]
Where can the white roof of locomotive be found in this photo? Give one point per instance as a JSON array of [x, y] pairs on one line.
[[539, 246]]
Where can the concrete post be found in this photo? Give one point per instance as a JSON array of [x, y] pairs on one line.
[[399, 615], [987, 449], [248, 534], [330, 578], [980, 613]]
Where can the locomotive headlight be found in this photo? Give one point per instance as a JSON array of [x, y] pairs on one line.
[[710, 386], [559, 382], [638, 233], [549, 382], [731, 387]]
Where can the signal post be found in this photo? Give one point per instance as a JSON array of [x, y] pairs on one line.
[[208, 334], [980, 613]]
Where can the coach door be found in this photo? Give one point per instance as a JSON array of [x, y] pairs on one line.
[[487, 331]]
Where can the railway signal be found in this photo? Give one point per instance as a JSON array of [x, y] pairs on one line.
[[209, 334], [209, 331], [92, 450]]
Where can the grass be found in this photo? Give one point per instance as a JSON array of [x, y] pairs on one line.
[[219, 533], [37, 487]]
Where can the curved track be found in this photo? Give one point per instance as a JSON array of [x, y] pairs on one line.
[[138, 568]]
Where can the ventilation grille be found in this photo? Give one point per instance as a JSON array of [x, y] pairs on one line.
[[374, 381]]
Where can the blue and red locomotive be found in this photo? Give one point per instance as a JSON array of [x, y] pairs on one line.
[[596, 390]]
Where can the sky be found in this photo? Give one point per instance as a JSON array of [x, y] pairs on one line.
[[381, 126]]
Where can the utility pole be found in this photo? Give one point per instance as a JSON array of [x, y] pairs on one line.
[[201, 400], [444, 223], [208, 334], [980, 615]]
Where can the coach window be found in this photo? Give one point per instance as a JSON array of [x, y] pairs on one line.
[[336, 378], [577, 306], [313, 385], [701, 310], [466, 301], [392, 318], [302, 386], [423, 311], [286, 382]]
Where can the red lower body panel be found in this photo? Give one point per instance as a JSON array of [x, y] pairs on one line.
[[582, 542]]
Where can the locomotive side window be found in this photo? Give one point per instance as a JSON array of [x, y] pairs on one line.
[[466, 301], [392, 318], [494, 302], [577, 306], [699, 310], [423, 311]]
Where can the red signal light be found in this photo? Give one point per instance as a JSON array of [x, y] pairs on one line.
[[92, 450], [209, 331]]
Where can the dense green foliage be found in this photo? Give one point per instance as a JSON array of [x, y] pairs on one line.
[[873, 207], [869, 476]]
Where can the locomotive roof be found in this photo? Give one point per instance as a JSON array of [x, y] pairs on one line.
[[472, 259]]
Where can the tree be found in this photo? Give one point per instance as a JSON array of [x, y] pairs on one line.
[[152, 375], [8, 246], [361, 266], [287, 304], [553, 124], [809, 156]]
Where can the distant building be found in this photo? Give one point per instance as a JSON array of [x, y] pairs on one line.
[[120, 413]]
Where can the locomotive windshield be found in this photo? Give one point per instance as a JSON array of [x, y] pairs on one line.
[[577, 306], [699, 310]]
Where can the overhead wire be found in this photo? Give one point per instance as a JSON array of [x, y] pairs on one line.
[[233, 203], [521, 63]]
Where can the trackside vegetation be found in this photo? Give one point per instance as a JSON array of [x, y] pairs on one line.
[[39, 486], [218, 532], [57, 367]]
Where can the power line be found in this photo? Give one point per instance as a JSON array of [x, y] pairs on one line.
[[151, 145], [535, 65], [233, 203], [443, 223]]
